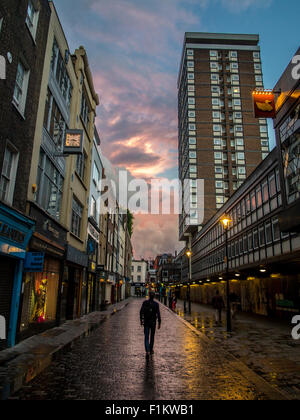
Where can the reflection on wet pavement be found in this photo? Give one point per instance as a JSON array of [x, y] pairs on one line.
[[110, 364]]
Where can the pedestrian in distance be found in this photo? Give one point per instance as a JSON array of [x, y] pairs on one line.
[[174, 301], [218, 305], [149, 315], [170, 298]]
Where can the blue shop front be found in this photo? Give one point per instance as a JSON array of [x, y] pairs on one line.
[[15, 233]]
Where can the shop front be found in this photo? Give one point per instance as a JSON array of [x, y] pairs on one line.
[[15, 233], [93, 283], [102, 277], [42, 278], [75, 281]]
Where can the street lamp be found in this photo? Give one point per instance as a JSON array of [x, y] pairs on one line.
[[189, 255], [226, 222]]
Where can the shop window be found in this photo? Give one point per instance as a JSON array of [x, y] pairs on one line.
[[40, 296]]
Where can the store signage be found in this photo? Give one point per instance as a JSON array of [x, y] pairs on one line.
[[73, 142], [93, 232], [10, 233], [47, 227], [34, 262], [264, 104]]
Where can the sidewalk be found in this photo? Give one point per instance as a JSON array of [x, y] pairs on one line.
[[265, 346], [22, 363]]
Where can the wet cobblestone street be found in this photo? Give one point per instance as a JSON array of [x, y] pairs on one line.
[[110, 364], [265, 346]]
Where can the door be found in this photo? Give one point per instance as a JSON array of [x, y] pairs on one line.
[[7, 275]]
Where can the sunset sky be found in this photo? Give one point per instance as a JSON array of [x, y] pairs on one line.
[[134, 49]]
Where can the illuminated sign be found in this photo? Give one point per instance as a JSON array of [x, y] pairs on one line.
[[73, 143], [264, 104]]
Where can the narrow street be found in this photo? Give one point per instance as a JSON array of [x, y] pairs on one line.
[[110, 364]]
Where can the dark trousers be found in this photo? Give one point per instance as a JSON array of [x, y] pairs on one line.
[[149, 331]]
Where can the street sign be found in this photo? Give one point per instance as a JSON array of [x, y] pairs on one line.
[[34, 262]]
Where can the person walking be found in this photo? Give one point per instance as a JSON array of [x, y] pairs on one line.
[[174, 302], [170, 298], [218, 305], [149, 314]]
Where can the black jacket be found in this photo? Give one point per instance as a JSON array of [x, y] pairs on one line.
[[149, 313]]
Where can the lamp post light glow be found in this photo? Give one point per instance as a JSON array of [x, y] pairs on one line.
[[226, 222], [189, 254]]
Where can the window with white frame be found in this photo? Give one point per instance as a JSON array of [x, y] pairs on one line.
[[237, 102], [213, 53], [215, 90], [32, 18], [192, 140], [8, 176], [233, 54], [263, 129], [217, 128], [235, 78], [21, 87]]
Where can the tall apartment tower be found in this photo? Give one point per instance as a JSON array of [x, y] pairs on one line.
[[220, 141]]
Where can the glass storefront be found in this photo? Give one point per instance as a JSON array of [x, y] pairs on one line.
[[40, 295]]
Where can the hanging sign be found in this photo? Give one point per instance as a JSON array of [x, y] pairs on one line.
[[264, 104], [34, 262], [73, 142]]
